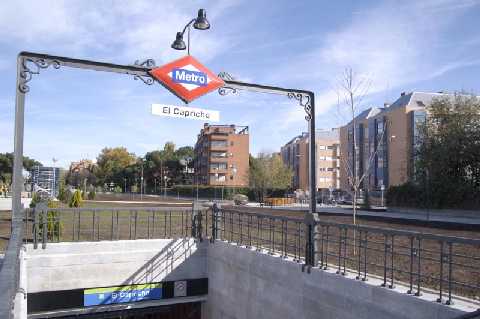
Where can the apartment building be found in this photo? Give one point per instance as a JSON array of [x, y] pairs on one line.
[[45, 179], [221, 156], [386, 138], [295, 155]]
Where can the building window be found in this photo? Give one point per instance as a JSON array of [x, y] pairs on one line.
[[217, 177], [218, 154], [231, 143], [218, 143], [322, 147], [218, 165]]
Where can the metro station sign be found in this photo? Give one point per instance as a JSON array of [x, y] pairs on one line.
[[187, 78]]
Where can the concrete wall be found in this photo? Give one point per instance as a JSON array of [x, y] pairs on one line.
[[246, 284], [243, 283], [63, 266]]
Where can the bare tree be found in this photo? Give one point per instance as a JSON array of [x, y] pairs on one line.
[[353, 89]]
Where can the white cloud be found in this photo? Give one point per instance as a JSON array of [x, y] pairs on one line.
[[133, 29], [392, 44]]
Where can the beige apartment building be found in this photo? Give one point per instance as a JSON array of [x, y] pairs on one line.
[[221, 156], [386, 139], [295, 156]]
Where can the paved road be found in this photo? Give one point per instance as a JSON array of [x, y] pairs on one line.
[[434, 215], [6, 203]]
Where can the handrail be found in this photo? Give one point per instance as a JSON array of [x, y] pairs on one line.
[[10, 270], [422, 261], [470, 315], [407, 233]]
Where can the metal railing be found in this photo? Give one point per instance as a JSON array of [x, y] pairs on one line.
[[10, 270], [446, 266], [95, 224], [276, 235]]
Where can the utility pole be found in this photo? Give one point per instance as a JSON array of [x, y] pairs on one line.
[[54, 160], [165, 186], [141, 184]]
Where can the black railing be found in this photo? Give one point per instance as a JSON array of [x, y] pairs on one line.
[[95, 224], [446, 266], [276, 235]]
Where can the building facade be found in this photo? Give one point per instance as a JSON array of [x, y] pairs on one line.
[[386, 141], [222, 156], [45, 180], [295, 155], [78, 167]]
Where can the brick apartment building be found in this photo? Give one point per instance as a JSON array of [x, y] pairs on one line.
[[394, 161], [221, 156], [295, 156]]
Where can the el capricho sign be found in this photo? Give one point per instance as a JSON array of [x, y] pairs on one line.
[[187, 78], [186, 112]]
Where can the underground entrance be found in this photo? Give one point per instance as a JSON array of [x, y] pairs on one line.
[[191, 310]]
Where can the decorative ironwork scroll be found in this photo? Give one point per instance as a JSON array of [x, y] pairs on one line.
[[304, 100], [225, 90], [31, 66], [148, 63]]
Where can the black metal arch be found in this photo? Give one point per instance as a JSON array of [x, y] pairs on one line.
[[30, 64]]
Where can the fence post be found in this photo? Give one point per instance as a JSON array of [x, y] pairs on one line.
[[197, 223], [35, 227], [215, 211], [43, 210], [311, 258]]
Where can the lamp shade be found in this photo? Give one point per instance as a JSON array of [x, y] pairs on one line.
[[179, 44], [201, 22]]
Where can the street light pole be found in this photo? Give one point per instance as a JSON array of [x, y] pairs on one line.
[[141, 184], [165, 186], [54, 160]]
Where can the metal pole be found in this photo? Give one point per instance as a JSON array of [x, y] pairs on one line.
[[17, 181], [309, 220], [141, 185]]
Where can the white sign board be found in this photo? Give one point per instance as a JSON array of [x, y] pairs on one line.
[[186, 112]]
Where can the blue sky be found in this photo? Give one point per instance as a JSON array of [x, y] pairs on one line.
[[428, 45]]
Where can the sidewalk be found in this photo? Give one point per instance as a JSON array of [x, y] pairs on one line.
[[6, 203], [448, 216]]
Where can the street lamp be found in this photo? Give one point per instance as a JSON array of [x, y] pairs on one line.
[[199, 23]]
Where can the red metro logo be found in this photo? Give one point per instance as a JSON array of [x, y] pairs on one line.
[[187, 78]]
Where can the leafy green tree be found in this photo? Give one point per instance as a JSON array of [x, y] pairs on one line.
[[6, 166], [76, 200], [447, 162], [62, 195], [35, 200], [268, 173], [112, 164]]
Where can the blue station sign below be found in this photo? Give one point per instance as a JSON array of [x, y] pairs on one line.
[[121, 294]]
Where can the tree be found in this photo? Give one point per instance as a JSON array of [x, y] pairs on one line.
[[112, 163], [447, 163], [353, 90], [84, 176], [76, 200], [267, 173], [6, 166]]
